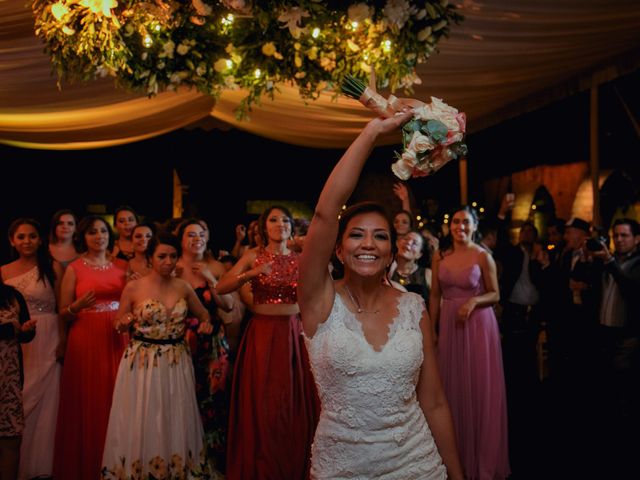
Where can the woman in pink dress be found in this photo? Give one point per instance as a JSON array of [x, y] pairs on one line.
[[35, 276], [274, 405], [463, 292], [89, 300]]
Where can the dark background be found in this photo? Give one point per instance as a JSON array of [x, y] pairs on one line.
[[551, 435], [221, 181]]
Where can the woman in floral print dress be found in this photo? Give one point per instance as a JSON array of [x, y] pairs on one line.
[[15, 328], [210, 353], [155, 429]]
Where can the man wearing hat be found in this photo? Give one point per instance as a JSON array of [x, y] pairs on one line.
[[572, 330]]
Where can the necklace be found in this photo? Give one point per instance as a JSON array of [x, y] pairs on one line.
[[404, 276], [356, 303], [100, 268]]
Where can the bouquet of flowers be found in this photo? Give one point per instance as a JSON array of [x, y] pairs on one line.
[[431, 139]]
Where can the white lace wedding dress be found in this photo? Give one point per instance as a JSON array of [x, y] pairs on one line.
[[371, 425]]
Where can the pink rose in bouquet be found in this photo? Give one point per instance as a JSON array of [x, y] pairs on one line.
[[432, 138]]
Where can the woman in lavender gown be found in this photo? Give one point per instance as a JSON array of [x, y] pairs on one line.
[[463, 292]]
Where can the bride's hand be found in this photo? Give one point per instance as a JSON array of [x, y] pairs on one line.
[[386, 125]]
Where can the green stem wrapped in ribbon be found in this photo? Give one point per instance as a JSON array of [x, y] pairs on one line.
[[430, 140]]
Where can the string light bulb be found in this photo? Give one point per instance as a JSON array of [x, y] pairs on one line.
[[257, 72], [147, 41], [315, 33]]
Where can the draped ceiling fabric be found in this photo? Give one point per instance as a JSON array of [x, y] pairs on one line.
[[507, 57]]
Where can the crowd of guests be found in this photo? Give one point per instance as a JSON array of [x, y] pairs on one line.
[[140, 354]]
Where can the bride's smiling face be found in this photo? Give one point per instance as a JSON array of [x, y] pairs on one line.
[[366, 244]]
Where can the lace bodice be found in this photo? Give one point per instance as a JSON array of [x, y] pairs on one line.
[[39, 296], [371, 425]]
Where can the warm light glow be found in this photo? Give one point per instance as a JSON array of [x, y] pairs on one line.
[[446, 221], [194, 39], [421, 224], [418, 217], [229, 63], [481, 209], [446, 215], [59, 10], [100, 6], [474, 204], [533, 207]]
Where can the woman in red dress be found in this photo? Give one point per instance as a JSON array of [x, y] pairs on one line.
[[89, 300], [274, 404]]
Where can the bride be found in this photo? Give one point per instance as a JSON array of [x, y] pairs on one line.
[[384, 414]]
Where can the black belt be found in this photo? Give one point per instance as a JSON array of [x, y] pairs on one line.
[[159, 341]]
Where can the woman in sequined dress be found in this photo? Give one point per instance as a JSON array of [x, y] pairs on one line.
[[89, 300], [274, 405]]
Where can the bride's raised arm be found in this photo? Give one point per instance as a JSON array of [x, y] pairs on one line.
[[315, 286]]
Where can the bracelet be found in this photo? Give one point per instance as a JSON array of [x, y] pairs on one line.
[[71, 312]]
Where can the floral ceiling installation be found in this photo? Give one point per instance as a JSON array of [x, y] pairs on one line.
[[156, 45]]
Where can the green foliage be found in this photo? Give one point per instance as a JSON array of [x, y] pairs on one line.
[[216, 45]]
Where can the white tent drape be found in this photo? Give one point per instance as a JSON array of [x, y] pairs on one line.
[[507, 57]]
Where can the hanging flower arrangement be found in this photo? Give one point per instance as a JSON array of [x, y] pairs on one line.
[[156, 45]]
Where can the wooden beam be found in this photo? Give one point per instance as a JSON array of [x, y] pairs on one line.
[[177, 209], [594, 153], [464, 183]]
